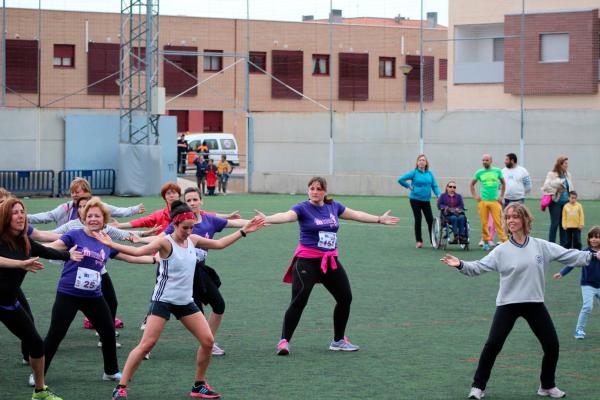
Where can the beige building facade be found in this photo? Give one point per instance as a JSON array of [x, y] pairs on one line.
[[559, 62]]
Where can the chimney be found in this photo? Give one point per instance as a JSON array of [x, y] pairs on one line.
[[431, 19], [335, 16], [306, 18]]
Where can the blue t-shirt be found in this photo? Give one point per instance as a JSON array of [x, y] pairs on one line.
[[207, 228], [82, 279], [319, 225], [29, 230], [422, 182]]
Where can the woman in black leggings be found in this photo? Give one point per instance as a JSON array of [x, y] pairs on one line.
[[16, 251]]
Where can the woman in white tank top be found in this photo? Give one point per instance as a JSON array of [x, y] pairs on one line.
[[173, 293]]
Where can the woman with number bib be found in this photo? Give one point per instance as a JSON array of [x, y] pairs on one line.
[[79, 287], [315, 260]]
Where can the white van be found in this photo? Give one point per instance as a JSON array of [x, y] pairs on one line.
[[217, 143]]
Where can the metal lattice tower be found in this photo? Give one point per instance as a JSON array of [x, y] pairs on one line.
[[138, 78]]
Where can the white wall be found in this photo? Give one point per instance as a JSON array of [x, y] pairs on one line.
[[372, 149]]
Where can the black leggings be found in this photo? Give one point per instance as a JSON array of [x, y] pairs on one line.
[[95, 308], [305, 273], [540, 323], [206, 289], [419, 206], [108, 291], [21, 325], [25, 304]]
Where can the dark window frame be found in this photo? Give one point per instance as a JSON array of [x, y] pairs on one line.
[[210, 59], [259, 58], [382, 70], [65, 49], [316, 58]]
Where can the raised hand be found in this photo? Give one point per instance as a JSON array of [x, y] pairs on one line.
[[450, 260], [142, 209], [233, 215], [103, 238], [75, 255], [31, 265], [152, 231], [254, 224], [388, 219]]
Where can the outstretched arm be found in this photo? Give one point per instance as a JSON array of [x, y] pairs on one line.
[[29, 265], [136, 260], [279, 218], [253, 225], [362, 216], [160, 244]]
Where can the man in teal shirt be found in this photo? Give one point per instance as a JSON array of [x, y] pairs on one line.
[[489, 201]]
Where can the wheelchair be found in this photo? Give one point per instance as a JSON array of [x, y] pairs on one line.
[[441, 232]]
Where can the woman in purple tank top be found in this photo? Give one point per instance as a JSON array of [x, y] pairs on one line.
[[315, 260]]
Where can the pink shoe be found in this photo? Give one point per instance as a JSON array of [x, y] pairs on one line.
[[87, 324], [118, 323], [283, 348], [419, 245]]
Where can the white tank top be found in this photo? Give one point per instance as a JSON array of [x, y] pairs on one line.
[[175, 283]]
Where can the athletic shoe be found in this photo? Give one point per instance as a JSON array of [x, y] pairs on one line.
[[480, 244], [31, 381], [118, 323], [119, 394], [476, 393], [143, 325], [492, 244], [45, 394], [204, 391], [217, 351], [24, 361], [87, 324], [118, 345], [114, 377], [579, 334], [117, 334], [283, 348], [419, 245], [486, 247], [343, 345], [147, 356], [555, 392]]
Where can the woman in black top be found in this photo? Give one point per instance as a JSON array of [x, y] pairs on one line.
[[16, 251]]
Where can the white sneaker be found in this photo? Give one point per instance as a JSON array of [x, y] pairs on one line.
[[31, 381], [555, 392], [343, 345], [476, 393], [114, 377], [24, 361], [118, 345], [117, 334], [147, 356], [217, 351]]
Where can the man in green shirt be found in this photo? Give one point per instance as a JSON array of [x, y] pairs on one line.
[[489, 201]]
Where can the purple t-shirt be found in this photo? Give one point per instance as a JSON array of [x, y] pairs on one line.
[[82, 279], [319, 225], [206, 228], [29, 230]]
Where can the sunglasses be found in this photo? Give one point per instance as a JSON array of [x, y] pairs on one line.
[[451, 187]]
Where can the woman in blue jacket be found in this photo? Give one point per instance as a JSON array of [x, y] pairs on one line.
[[421, 182]]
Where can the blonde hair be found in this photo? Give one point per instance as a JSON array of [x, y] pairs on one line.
[[95, 202], [558, 164], [523, 213], [80, 183], [426, 161]]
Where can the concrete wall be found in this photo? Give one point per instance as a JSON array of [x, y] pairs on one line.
[[71, 139], [370, 150]]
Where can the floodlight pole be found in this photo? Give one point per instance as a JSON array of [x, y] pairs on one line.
[[330, 88], [3, 71], [421, 144], [249, 122], [522, 86]]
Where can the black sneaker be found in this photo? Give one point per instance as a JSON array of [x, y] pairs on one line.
[[204, 391]]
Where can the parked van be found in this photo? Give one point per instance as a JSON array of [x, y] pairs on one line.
[[217, 145]]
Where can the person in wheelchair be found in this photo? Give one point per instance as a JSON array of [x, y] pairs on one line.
[[452, 209]]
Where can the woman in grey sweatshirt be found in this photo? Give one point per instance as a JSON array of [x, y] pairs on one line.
[[521, 262]]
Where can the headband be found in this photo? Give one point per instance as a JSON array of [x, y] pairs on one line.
[[183, 216]]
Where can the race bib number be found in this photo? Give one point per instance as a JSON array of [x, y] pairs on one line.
[[327, 240], [87, 279]]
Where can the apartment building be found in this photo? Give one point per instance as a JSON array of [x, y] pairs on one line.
[[555, 65], [56, 53]]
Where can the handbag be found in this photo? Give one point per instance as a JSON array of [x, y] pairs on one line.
[[545, 201]]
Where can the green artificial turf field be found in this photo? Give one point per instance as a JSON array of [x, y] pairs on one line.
[[420, 325]]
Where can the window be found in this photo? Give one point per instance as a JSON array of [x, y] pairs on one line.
[[260, 59], [22, 65], [227, 144], [354, 76], [287, 66], [387, 67], [443, 72], [64, 56], [498, 49], [320, 64], [413, 89], [554, 47], [180, 72], [213, 63], [213, 122], [103, 68]]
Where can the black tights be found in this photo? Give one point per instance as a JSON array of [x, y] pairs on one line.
[[95, 308], [540, 323], [108, 291], [19, 322], [419, 206], [25, 304], [305, 273]]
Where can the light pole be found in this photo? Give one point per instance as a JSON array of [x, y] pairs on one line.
[[405, 68]]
